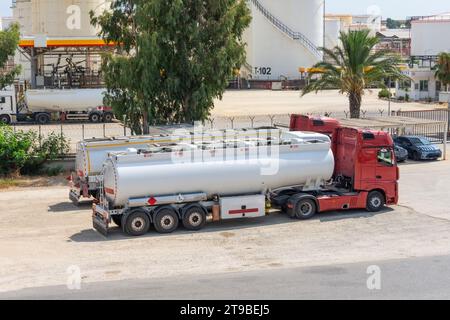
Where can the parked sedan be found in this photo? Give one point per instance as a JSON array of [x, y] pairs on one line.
[[419, 148], [401, 154]]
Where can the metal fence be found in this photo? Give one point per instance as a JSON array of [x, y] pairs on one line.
[[432, 132], [80, 131]]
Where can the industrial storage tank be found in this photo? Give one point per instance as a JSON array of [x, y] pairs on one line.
[[302, 159], [283, 36], [65, 18]]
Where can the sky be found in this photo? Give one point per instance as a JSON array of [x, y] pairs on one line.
[[396, 9]]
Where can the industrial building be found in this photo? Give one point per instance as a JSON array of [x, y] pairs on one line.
[[426, 44], [59, 46]]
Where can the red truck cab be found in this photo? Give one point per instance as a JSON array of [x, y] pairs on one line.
[[365, 175]]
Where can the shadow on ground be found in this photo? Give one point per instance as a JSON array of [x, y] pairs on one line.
[[226, 227]]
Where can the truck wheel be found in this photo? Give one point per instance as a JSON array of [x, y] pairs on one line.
[[117, 218], [5, 119], [95, 118], [108, 117], [375, 201], [166, 220], [194, 218], [137, 223], [42, 118], [301, 208]]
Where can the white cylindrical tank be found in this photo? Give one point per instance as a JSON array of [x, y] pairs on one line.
[[425, 35], [64, 100], [64, 18], [272, 50], [307, 160]]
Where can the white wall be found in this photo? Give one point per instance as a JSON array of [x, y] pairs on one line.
[[270, 49], [430, 37], [333, 28]]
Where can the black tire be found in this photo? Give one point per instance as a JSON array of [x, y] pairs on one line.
[[95, 117], [301, 208], [165, 220], [5, 119], [416, 156], [117, 219], [375, 201], [108, 117], [194, 218], [137, 223], [42, 118]]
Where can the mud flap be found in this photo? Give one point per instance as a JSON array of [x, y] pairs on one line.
[[100, 222]]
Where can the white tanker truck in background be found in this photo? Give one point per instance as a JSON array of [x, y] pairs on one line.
[[300, 173], [43, 106]]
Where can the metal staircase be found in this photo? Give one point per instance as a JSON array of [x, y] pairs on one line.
[[297, 36]]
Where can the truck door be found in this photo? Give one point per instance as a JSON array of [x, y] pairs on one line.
[[386, 169]]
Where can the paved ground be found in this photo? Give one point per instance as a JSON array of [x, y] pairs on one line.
[[42, 236], [412, 278]]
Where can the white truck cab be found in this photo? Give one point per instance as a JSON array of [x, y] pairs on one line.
[[8, 105]]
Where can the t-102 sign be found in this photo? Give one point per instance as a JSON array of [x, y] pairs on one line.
[[265, 71]]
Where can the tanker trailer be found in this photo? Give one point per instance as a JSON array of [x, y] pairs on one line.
[[92, 153], [71, 104], [227, 180]]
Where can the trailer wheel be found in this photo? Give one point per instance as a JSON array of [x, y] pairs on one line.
[[194, 218], [137, 223], [117, 219], [165, 220], [42, 118], [108, 117], [5, 119], [301, 208], [95, 117], [375, 201]]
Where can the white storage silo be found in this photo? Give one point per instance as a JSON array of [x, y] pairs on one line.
[[283, 36], [65, 18]]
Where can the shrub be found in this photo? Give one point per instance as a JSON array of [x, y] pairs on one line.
[[22, 152], [384, 93], [407, 97], [401, 98]]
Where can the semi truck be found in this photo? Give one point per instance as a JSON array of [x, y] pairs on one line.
[[92, 153], [167, 188], [43, 106]]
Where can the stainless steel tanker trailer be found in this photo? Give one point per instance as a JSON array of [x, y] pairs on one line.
[[300, 173], [92, 153], [223, 179]]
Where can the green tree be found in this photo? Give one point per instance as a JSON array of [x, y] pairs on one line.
[[353, 67], [9, 40], [173, 58], [443, 69]]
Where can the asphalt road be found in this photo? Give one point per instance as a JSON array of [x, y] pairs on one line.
[[413, 278]]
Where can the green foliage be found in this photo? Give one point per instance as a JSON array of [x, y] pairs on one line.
[[22, 152], [384, 94], [9, 40], [407, 97], [401, 98], [443, 69], [353, 67], [173, 58], [393, 24]]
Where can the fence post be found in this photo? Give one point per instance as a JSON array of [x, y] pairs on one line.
[[82, 131], [40, 136], [61, 151], [104, 130]]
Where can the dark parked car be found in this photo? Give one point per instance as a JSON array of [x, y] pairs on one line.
[[401, 154], [419, 148]]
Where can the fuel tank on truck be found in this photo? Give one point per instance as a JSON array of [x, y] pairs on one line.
[[55, 100], [247, 167]]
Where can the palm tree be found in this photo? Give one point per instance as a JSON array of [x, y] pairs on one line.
[[443, 69], [353, 67]]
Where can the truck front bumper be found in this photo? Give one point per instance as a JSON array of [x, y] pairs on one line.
[[100, 219]]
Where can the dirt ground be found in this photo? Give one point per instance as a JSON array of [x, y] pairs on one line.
[[42, 235]]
